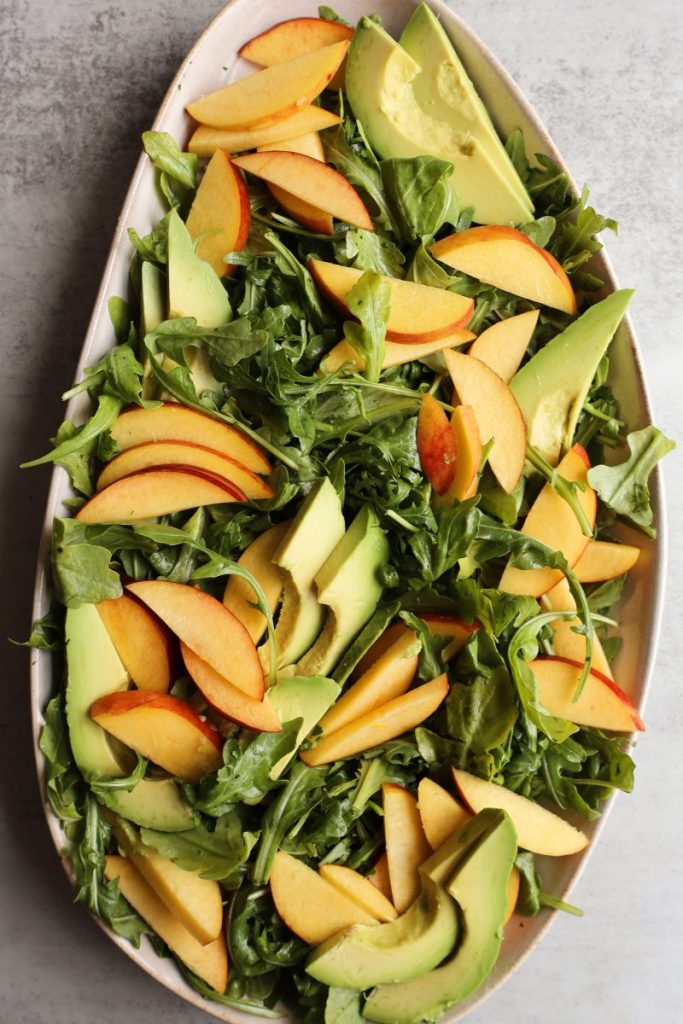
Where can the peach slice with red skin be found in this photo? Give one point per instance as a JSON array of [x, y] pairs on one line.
[[418, 312], [567, 643], [270, 94], [309, 179], [172, 421], [442, 625], [602, 560], [469, 447], [162, 728], [307, 214], [144, 644], [406, 844], [239, 596], [507, 259], [206, 626], [205, 141], [602, 704], [396, 353], [227, 699], [436, 444], [221, 212], [157, 492], [553, 522], [155, 454], [292, 38]]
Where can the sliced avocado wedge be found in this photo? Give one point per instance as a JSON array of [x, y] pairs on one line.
[[152, 313], [348, 584], [398, 951], [307, 699], [315, 532], [194, 288], [408, 109], [153, 803], [479, 885], [442, 864], [552, 387]]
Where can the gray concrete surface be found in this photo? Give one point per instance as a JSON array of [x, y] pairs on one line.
[[79, 81]]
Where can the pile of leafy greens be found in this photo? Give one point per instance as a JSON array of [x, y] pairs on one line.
[[358, 429]]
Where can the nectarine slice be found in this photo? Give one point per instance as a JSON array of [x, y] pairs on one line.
[[209, 962], [239, 596], [307, 178], [395, 353], [379, 876], [406, 843], [157, 492], [538, 830], [499, 418], [307, 214], [384, 723], [155, 454], [205, 141], [567, 643], [227, 699], [440, 813], [469, 448], [164, 729], [292, 38], [220, 212], [172, 421], [602, 704], [601, 560], [142, 641], [272, 93], [507, 259], [206, 626], [419, 313], [360, 890], [436, 444], [553, 522], [308, 904], [503, 345], [388, 677]]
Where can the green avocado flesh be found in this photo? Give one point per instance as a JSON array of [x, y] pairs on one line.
[[348, 585], [94, 669], [398, 951], [194, 288], [552, 387], [442, 864], [307, 699], [479, 886], [416, 99]]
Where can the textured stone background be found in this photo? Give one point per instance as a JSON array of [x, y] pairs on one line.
[[79, 81]]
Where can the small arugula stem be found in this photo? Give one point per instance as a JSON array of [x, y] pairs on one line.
[[564, 488], [602, 415], [546, 899], [401, 521]]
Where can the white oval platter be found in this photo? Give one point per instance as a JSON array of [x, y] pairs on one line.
[[204, 70]]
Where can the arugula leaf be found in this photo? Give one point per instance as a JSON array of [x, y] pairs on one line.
[[624, 488], [347, 150], [364, 641], [63, 784], [294, 802], [107, 410], [118, 373], [227, 345], [178, 170], [47, 633], [420, 194], [456, 530], [329, 14], [82, 573], [369, 300], [219, 854], [369, 250], [523, 649], [242, 1005]]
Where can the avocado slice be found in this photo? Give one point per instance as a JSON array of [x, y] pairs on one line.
[[442, 864], [94, 669], [411, 109], [348, 584], [152, 313], [397, 951], [315, 532], [479, 885], [194, 288], [305, 698], [552, 387]]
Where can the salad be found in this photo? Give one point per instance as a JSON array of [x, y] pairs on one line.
[[335, 589]]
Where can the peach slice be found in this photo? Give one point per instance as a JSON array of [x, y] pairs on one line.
[[499, 418], [507, 259], [307, 178], [382, 644], [308, 904], [270, 94], [436, 445], [384, 723], [566, 642], [172, 421], [514, 884], [221, 212], [602, 560], [310, 216], [239, 597], [406, 843], [142, 641], [155, 454], [157, 492], [379, 876], [440, 813], [209, 962], [205, 141], [469, 447], [227, 699], [418, 312], [388, 677], [551, 520], [503, 345], [449, 625], [360, 890], [292, 38], [538, 830], [395, 353], [164, 729], [206, 626], [602, 704]]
